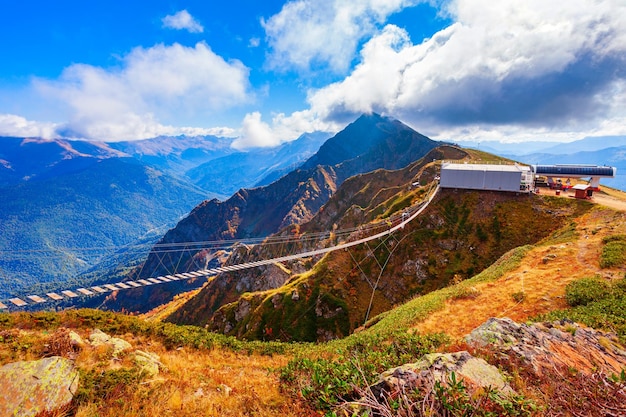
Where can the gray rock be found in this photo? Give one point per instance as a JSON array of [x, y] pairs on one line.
[[99, 338], [76, 341], [277, 300], [421, 375], [33, 387], [149, 363], [243, 309], [545, 346]]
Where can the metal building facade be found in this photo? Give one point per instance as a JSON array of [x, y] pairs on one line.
[[485, 177]]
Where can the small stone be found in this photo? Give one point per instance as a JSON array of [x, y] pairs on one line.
[[76, 341], [99, 338], [149, 363], [225, 389]]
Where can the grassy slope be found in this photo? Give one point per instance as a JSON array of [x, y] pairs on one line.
[[458, 234], [434, 249]]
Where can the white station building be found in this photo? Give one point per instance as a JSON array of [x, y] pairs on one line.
[[515, 178]]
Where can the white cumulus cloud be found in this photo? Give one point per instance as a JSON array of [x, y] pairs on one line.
[[534, 63], [150, 87], [507, 70], [307, 33], [182, 20], [255, 133], [18, 126]]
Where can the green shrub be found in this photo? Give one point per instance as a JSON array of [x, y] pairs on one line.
[[613, 254], [96, 386], [614, 238], [446, 398], [606, 312], [586, 290], [608, 315], [356, 361], [519, 296], [464, 292], [619, 287]]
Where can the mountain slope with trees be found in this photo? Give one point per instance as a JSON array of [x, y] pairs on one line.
[[52, 229]]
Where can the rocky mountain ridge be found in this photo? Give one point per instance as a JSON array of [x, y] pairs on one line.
[[291, 200]]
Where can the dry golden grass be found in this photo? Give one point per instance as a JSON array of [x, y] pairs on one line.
[[223, 382], [541, 278], [194, 383]]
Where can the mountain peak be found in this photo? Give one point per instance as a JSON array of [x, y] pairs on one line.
[[365, 135]]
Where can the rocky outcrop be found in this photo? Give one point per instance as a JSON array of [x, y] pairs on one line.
[[546, 346], [588, 357], [420, 381], [438, 367], [33, 387], [148, 363]]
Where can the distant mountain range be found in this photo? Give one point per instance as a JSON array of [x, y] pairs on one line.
[[594, 143], [58, 197], [605, 150], [55, 227], [232, 172]]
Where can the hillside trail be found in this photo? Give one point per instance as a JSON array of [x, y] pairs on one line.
[[541, 276]]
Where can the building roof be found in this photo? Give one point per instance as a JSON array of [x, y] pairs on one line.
[[575, 170], [583, 187], [484, 167]]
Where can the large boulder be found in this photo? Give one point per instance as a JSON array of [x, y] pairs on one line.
[[32, 387], [544, 346], [476, 373]]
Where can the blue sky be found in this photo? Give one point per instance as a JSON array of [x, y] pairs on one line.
[[264, 72]]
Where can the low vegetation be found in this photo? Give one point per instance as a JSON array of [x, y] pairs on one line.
[[613, 251], [212, 374], [342, 366], [448, 398], [406, 315], [203, 373], [169, 335], [597, 303]]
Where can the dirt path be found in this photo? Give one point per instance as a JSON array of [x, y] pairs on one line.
[[608, 197], [611, 199]]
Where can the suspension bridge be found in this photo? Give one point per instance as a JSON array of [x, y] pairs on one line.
[[390, 225]]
